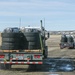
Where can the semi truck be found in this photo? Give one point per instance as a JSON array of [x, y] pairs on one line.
[[26, 45]]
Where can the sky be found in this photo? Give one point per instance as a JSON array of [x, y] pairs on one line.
[[57, 15]]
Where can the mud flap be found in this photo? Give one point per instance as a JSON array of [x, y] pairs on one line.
[[46, 52]]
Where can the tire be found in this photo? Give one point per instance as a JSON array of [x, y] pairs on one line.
[[10, 35], [74, 46], [45, 55], [32, 43], [61, 47], [2, 66], [31, 34], [34, 47], [33, 39], [10, 48], [11, 40], [35, 67], [10, 44], [5, 66], [46, 51], [31, 47]]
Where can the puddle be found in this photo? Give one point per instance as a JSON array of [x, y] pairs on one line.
[[58, 65]]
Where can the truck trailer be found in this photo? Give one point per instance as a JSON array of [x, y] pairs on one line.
[[26, 45]]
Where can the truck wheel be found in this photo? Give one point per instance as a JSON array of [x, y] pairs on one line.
[[45, 56], [61, 47], [35, 67], [38, 67], [45, 52], [2, 66], [74, 46], [5, 66]]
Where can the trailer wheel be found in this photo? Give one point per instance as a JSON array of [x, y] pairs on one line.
[[5, 66], [74, 46], [61, 46], [35, 67], [45, 52], [38, 67], [2, 66]]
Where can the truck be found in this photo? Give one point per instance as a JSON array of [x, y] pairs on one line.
[[67, 41], [71, 42], [20, 49], [63, 41]]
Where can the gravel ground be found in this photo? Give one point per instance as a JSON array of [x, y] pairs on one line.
[[54, 51]]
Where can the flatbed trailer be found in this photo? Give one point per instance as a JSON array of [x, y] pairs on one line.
[[24, 56]]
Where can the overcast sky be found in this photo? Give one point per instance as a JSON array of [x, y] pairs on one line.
[[58, 14]]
